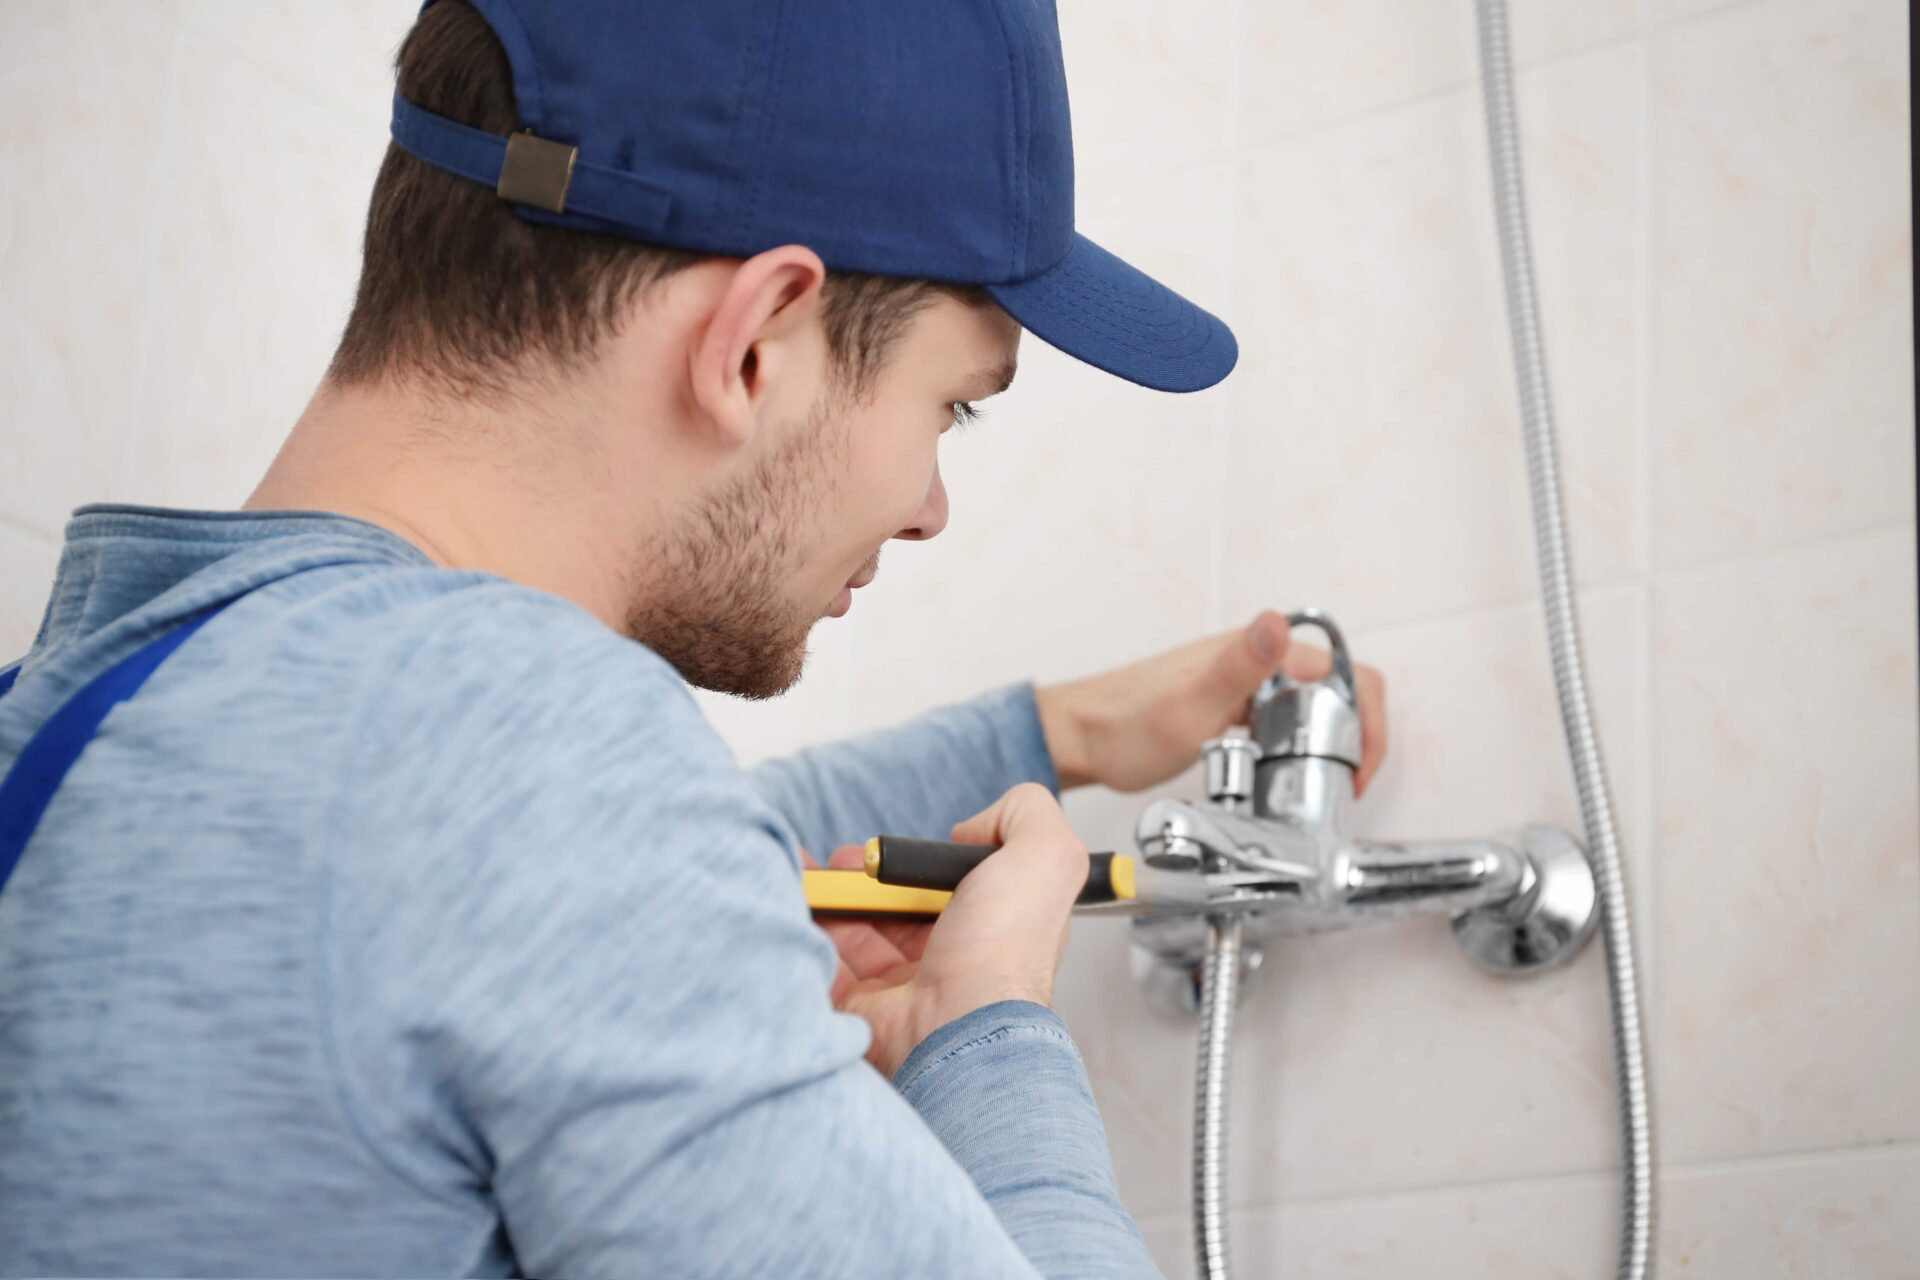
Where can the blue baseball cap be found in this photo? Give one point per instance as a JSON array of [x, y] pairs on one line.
[[921, 138]]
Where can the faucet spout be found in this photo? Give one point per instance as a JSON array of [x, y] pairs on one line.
[[1435, 875]]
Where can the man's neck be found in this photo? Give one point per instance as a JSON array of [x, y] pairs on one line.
[[460, 483]]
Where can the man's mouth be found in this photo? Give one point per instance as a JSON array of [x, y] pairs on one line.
[[844, 601]]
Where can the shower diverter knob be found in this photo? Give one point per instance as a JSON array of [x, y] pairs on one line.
[[1310, 717]]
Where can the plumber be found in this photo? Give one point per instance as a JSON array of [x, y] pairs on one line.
[[381, 902]]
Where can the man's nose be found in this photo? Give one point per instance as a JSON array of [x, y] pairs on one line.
[[931, 518]]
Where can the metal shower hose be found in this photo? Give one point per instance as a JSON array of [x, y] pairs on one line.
[[1576, 713]]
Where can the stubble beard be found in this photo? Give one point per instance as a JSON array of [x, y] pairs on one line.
[[714, 606]]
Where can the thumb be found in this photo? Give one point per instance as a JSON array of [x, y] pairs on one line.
[[1249, 656]]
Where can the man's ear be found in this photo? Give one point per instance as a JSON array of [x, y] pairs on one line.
[[749, 341]]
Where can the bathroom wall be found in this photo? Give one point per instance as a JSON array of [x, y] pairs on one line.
[[1720, 197]]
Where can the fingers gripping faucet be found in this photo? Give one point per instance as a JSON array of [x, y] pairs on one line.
[[1273, 849]]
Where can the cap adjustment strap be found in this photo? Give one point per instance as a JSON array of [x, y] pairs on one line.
[[530, 170], [537, 172]]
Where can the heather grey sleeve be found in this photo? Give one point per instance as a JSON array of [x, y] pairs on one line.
[[914, 779], [1005, 1086], [573, 965]]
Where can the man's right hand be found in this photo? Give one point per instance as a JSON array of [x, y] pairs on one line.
[[1000, 938]]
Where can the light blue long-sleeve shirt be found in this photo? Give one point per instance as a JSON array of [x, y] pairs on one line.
[[411, 922]]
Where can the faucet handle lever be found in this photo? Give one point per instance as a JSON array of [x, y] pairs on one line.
[[1341, 677], [1310, 717]]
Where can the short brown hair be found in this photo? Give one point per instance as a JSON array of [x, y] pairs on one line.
[[453, 286]]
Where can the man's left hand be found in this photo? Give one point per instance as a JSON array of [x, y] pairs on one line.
[[1139, 725]]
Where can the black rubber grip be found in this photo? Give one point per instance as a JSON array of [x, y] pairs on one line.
[[940, 864]]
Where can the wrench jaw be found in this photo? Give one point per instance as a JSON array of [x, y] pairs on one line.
[[1202, 861], [1177, 835], [1160, 897]]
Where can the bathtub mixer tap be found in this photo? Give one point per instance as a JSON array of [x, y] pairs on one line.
[[1272, 848]]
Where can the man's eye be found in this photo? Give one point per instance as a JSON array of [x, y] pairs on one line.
[[965, 412]]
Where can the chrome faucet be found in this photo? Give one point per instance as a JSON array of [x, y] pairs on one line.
[[1272, 846]]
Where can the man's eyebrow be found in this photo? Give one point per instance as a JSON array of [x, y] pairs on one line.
[[995, 380]]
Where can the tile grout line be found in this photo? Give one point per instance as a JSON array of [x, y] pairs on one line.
[[1463, 85], [1527, 602], [1223, 412], [136, 424], [1530, 597], [1644, 776], [1759, 555], [279, 75], [26, 530], [843, 678], [1704, 15], [1696, 1169], [1801, 1156], [1643, 31]]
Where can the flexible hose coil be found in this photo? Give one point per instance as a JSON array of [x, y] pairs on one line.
[[1219, 982], [1563, 639]]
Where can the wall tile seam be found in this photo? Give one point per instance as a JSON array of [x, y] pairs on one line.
[[1644, 821], [843, 694], [1675, 575], [1487, 611], [1214, 146], [1141, 167], [1698, 1170], [1663, 26], [134, 429], [1222, 426], [1469, 85], [1644, 30], [22, 529], [1643, 26], [347, 111]]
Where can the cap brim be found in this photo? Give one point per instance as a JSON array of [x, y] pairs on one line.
[[1096, 308]]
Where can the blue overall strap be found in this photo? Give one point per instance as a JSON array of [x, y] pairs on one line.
[[8, 676], [28, 788]]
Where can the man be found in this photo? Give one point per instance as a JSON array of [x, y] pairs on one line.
[[390, 908]]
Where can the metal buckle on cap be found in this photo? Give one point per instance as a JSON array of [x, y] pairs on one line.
[[537, 171]]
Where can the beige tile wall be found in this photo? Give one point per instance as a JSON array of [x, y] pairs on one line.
[[1721, 218]]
